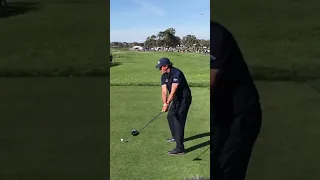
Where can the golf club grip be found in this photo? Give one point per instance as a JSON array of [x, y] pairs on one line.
[[150, 121]]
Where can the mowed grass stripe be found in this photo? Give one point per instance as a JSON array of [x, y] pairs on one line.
[[57, 39], [138, 68], [144, 157]]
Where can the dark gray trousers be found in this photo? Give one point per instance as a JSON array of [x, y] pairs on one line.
[[177, 117], [233, 144]]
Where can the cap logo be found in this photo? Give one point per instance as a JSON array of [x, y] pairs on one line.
[[158, 62]]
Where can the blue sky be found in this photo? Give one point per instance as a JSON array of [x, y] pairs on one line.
[[135, 20]]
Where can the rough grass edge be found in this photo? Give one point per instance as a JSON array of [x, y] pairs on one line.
[[56, 73], [258, 73], [156, 84]]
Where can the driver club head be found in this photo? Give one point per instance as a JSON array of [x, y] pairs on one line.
[[134, 132]]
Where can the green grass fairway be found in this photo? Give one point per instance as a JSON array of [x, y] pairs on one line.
[[44, 144], [286, 149], [279, 39], [138, 68], [53, 128], [288, 138], [136, 99], [289, 145], [55, 38], [144, 157]]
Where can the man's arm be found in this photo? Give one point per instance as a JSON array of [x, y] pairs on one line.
[[164, 93], [173, 92], [213, 78]]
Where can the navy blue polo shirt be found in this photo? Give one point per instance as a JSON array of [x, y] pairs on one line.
[[234, 91], [176, 76]]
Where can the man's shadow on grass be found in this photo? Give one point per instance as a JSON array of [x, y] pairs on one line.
[[18, 8], [197, 136], [113, 64], [198, 145]]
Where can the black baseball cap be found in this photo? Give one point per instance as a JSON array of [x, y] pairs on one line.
[[162, 62]]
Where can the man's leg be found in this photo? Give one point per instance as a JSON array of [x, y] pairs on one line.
[[218, 138], [171, 116], [180, 121], [236, 152]]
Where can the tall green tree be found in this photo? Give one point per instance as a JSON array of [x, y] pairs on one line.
[[189, 40]]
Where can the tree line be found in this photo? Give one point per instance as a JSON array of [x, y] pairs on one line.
[[166, 38]]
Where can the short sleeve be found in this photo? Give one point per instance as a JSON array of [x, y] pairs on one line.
[[176, 77], [219, 48], [162, 80]]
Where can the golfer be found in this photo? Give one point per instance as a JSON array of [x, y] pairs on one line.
[[174, 82], [235, 111]]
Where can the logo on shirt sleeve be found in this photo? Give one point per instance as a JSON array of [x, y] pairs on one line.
[[175, 80], [166, 80]]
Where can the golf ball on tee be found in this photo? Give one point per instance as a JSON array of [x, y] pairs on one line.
[[121, 139]]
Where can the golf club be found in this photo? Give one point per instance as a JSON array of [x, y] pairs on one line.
[[198, 158], [135, 132]]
